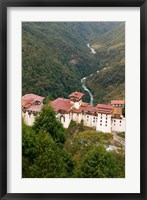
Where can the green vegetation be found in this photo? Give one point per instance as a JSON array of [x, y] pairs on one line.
[[43, 155], [98, 163], [55, 56], [48, 153], [84, 141], [88, 149], [110, 46], [48, 122], [121, 134], [54, 59], [109, 83]]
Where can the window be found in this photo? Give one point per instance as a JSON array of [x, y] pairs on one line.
[[114, 120], [100, 120], [120, 121], [87, 116], [120, 124], [114, 124], [100, 124], [101, 117], [106, 121], [62, 118], [106, 118], [93, 120], [93, 117], [105, 124]]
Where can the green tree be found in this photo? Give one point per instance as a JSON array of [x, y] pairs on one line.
[[42, 157], [48, 122], [98, 163], [81, 126]]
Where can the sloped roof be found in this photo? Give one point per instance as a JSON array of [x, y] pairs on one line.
[[35, 108], [86, 108], [29, 99], [61, 104], [104, 108], [77, 95]]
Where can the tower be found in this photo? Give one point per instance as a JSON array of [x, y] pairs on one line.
[[76, 99]]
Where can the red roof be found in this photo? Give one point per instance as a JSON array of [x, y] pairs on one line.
[[35, 108], [29, 99], [113, 102], [77, 95], [61, 104], [89, 108], [86, 108], [104, 108]]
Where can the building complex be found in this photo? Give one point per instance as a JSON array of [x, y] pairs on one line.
[[102, 117]]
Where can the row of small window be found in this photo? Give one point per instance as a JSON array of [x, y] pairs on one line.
[[93, 117], [118, 105], [115, 121], [93, 120], [101, 124], [106, 118], [101, 121], [96, 117]]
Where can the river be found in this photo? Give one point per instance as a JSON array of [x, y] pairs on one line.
[[83, 80], [92, 49]]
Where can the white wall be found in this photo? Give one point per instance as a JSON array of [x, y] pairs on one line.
[[104, 123], [65, 119], [118, 125], [28, 119], [77, 117]]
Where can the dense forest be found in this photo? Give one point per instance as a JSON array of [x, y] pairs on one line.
[[109, 83], [50, 151], [55, 57]]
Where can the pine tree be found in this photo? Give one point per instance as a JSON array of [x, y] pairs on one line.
[[42, 157], [48, 122]]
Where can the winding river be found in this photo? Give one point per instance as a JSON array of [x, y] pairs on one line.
[[83, 80], [92, 50]]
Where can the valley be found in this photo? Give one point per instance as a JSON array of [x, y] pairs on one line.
[[59, 58], [65, 134]]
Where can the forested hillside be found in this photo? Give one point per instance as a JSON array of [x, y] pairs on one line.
[[109, 83], [55, 56]]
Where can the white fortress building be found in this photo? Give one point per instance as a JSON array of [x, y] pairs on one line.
[[103, 117], [31, 107]]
